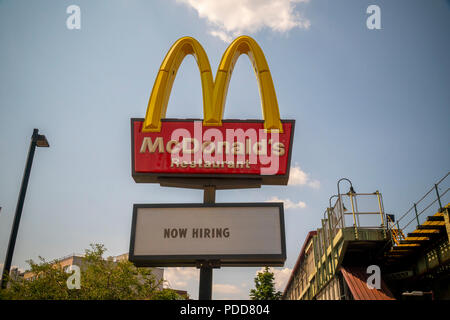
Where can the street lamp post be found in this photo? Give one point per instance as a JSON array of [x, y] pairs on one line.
[[37, 140], [351, 186], [351, 191]]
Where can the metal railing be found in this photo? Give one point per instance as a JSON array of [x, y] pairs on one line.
[[430, 203], [357, 210]]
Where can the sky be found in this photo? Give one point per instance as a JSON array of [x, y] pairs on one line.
[[371, 105]]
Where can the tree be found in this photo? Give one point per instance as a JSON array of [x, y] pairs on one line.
[[265, 286], [100, 279]]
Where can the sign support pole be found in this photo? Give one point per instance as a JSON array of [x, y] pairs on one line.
[[206, 267]]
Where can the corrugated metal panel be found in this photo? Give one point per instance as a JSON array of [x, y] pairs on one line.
[[356, 279], [299, 260]]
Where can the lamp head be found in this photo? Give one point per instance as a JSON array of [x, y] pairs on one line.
[[42, 141]]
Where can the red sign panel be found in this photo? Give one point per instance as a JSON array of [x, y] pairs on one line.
[[188, 149]]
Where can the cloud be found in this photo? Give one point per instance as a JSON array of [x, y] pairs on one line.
[[222, 35], [230, 18], [178, 278], [298, 177], [226, 288], [231, 292], [288, 204], [281, 277]]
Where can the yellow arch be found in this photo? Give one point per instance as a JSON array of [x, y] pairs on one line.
[[157, 104], [214, 92], [269, 104]]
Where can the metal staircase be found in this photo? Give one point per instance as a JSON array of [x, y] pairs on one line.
[[397, 234], [421, 237], [429, 229]]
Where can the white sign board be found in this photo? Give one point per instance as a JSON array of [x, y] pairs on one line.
[[182, 234]]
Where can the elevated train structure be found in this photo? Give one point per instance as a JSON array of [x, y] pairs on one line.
[[362, 253]]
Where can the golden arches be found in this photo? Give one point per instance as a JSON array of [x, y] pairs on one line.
[[214, 92]]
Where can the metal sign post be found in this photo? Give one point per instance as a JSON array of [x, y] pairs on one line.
[[206, 268]]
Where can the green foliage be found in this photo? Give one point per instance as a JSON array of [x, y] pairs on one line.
[[265, 287], [100, 280], [50, 284], [168, 294]]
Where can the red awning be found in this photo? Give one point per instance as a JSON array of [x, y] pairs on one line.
[[356, 279]]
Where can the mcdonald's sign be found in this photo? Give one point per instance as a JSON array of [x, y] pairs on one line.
[[258, 151]]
